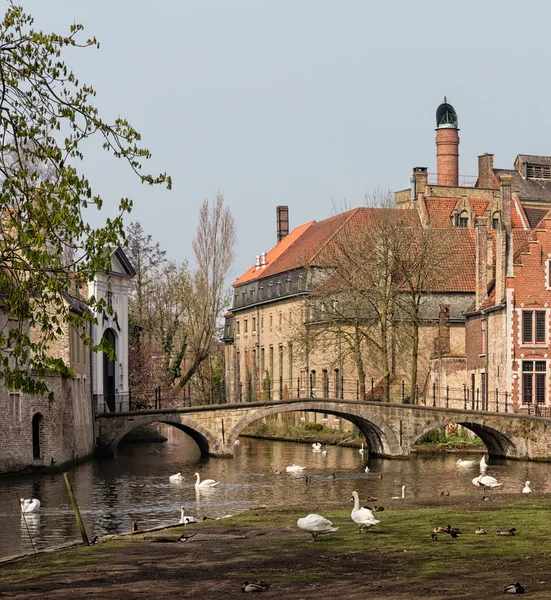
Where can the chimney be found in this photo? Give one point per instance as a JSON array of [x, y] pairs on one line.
[[506, 199], [447, 145], [419, 182], [485, 171], [501, 263], [263, 259], [481, 240], [282, 213], [257, 264]]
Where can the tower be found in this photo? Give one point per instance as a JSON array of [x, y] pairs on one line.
[[447, 145]]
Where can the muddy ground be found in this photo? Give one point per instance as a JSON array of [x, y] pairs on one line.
[[395, 560]]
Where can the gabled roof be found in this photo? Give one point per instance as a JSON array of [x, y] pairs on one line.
[[528, 189], [120, 263]]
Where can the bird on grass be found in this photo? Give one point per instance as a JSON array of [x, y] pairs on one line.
[[434, 536], [255, 586], [486, 498], [513, 588], [527, 489], [480, 531], [440, 529], [316, 525], [186, 536], [361, 515], [511, 531]]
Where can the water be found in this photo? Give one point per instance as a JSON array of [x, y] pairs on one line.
[[135, 484]]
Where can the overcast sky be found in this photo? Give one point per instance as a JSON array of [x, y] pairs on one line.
[[307, 103]]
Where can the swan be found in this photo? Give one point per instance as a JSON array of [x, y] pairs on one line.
[[206, 483], [361, 515], [316, 446], [316, 525], [403, 496], [486, 481], [187, 519], [361, 450], [324, 452], [177, 477], [513, 588], [294, 469], [465, 463], [29, 505], [527, 489]]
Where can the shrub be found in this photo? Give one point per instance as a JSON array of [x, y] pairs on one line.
[[314, 426]]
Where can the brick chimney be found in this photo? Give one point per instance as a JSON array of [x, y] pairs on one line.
[[506, 199], [282, 214], [501, 263], [481, 240], [447, 145], [420, 177], [485, 171]]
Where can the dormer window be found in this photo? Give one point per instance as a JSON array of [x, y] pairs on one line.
[[538, 171], [495, 221], [462, 219]]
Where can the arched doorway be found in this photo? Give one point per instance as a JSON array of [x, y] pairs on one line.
[[36, 425], [109, 389]]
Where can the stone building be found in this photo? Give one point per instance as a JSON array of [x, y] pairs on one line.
[[483, 219], [38, 434]]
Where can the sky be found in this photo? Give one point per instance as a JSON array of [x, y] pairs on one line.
[[307, 103]]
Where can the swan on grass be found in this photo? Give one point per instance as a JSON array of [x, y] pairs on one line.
[[29, 505], [206, 483], [316, 525], [361, 515], [186, 519], [294, 469], [467, 464], [527, 489], [486, 481], [177, 477]]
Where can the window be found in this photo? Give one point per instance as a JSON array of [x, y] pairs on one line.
[[533, 327], [262, 362], [538, 171], [245, 326], [270, 288], [533, 381], [280, 318], [253, 294], [278, 288], [291, 364], [237, 327], [287, 286], [254, 324], [262, 324], [280, 368], [271, 321], [483, 325], [463, 220], [261, 292], [271, 363], [36, 425], [495, 220]]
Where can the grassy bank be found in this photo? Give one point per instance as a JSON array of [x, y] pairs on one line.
[[395, 560]]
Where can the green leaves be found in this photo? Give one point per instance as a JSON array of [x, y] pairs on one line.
[[48, 249]]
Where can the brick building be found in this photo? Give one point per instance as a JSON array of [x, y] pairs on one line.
[[36, 433], [486, 220]]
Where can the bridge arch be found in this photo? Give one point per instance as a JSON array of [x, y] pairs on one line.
[[200, 434], [497, 443], [379, 435]]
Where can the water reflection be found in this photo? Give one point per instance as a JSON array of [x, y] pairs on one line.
[[135, 485]]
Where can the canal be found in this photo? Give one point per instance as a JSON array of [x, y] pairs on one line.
[[136, 484]]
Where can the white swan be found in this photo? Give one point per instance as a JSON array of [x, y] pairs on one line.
[[402, 497], [29, 505], [316, 525], [294, 469], [527, 489], [361, 450], [324, 452], [316, 446], [177, 477], [186, 519], [486, 481], [361, 515], [465, 463], [206, 483]]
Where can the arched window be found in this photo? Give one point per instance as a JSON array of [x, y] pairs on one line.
[[36, 424]]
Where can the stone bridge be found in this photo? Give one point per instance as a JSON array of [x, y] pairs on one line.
[[389, 429]]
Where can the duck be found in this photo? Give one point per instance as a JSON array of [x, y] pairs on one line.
[[440, 529], [177, 477], [465, 463], [186, 519], [506, 531], [255, 586], [371, 499], [486, 481], [29, 505], [513, 588], [294, 469], [402, 497], [445, 493], [361, 515], [434, 536], [206, 483], [527, 489], [316, 525], [316, 446], [480, 531]]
